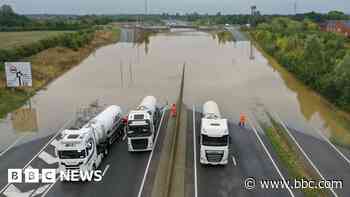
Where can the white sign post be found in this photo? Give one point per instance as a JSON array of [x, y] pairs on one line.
[[18, 74]]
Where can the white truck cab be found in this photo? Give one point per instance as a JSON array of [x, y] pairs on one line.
[[214, 138], [77, 151], [141, 125], [82, 149]]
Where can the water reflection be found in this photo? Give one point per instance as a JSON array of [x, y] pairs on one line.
[[126, 75], [223, 37], [315, 109], [137, 36], [24, 120]]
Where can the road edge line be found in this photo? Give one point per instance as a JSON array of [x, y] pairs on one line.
[[304, 153], [195, 153], [271, 158], [347, 160], [11, 146], [151, 155]]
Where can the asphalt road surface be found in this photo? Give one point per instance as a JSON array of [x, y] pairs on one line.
[[125, 174], [328, 159], [247, 159]]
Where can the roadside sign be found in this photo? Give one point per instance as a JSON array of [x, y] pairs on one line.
[[18, 74]]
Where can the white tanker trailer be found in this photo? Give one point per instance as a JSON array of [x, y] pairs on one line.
[[214, 139], [83, 149], [141, 125]]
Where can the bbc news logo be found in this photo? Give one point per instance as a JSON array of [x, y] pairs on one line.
[[51, 175]]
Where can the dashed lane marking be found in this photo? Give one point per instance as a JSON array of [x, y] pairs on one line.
[[234, 161], [105, 170]]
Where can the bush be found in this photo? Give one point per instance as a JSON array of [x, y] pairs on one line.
[[317, 58]]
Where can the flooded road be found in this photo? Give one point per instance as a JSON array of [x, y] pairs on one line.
[[216, 68]]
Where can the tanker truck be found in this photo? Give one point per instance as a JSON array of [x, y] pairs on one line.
[[214, 138], [82, 150], [141, 125]]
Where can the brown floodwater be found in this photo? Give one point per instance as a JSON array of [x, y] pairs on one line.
[[217, 68]]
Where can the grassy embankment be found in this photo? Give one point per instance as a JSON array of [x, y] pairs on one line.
[[340, 117], [289, 157], [14, 39], [48, 65]]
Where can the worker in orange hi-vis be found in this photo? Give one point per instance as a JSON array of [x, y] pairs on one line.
[[242, 120], [173, 110]]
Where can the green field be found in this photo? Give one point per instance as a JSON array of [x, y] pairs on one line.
[[13, 39]]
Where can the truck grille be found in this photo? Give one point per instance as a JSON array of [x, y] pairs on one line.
[[214, 156], [139, 144]]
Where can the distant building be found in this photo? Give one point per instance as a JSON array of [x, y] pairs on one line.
[[337, 26]]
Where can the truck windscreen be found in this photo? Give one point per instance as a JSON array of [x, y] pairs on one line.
[[139, 130], [214, 141], [71, 154]]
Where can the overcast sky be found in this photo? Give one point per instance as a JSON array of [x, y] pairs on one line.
[[172, 6]]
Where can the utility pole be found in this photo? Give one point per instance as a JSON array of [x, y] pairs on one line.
[[252, 24], [253, 12], [295, 7]]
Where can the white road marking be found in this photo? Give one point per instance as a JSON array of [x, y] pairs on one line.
[[234, 161], [11, 146], [49, 188], [47, 158], [195, 152], [270, 157], [54, 143], [40, 190], [13, 191], [347, 160], [151, 155], [29, 167], [41, 150], [105, 170], [306, 156]]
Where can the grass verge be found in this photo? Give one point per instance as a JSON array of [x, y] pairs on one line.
[[49, 65], [289, 157]]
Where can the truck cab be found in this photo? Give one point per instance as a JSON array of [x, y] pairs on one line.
[[140, 130], [214, 138], [141, 125], [77, 151]]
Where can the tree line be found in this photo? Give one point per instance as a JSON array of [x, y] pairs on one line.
[[320, 59], [10, 21]]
